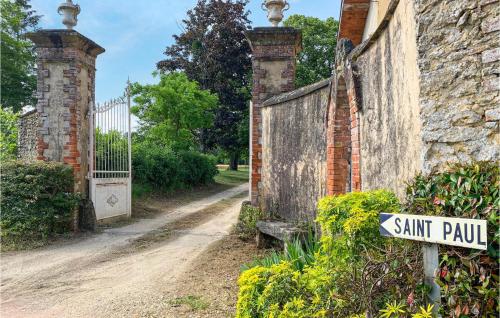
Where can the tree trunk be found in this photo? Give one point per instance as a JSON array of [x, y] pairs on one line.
[[233, 161]]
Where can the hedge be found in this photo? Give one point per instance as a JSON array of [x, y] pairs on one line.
[[165, 169], [37, 200]]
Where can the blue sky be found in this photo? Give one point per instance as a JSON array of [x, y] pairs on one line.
[[136, 32]]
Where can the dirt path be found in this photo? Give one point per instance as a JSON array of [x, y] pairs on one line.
[[131, 271]]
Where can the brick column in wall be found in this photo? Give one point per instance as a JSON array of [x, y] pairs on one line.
[[355, 142], [65, 87], [274, 51], [339, 142]]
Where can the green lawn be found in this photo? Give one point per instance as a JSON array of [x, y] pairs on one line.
[[232, 178], [224, 180]]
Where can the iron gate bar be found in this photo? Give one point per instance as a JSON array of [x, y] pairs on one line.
[[110, 156]]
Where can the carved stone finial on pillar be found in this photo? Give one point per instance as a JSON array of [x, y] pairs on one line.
[[274, 51], [275, 10], [65, 87], [69, 11]]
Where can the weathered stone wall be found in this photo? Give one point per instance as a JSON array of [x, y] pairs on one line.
[[27, 136], [459, 61], [389, 118], [294, 152]]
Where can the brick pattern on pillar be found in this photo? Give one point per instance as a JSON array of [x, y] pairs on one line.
[[274, 52], [65, 87], [339, 142], [355, 141], [343, 144]]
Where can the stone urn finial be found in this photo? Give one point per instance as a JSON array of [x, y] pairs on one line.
[[275, 9], [69, 11]]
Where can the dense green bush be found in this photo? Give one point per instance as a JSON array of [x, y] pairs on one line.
[[167, 170], [37, 200], [468, 278]]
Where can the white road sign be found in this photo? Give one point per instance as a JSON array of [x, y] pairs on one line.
[[468, 233]]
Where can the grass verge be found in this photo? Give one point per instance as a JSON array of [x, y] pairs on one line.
[[194, 302], [224, 180]]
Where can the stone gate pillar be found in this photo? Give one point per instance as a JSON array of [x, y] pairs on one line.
[[274, 51], [65, 87]]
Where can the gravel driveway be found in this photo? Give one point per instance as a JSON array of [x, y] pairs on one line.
[[121, 272]]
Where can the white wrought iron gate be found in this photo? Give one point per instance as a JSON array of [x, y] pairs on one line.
[[110, 163]]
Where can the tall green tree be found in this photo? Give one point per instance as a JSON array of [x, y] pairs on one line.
[[8, 134], [173, 111], [213, 50], [18, 79], [319, 39]]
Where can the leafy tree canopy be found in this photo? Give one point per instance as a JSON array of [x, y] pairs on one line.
[[173, 111], [8, 134], [213, 50], [18, 79], [319, 39]]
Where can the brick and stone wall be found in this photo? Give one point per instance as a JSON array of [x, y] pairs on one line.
[[27, 136], [274, 51], [293, 174], [422, 91], [459, 62], [426, 89], [387, 83], [65, 87]]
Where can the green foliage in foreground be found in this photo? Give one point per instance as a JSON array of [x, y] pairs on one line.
[[8, 134], [165, 169], [324, 287], [468, 278], [357, 272], [299, 253], [37, 200]]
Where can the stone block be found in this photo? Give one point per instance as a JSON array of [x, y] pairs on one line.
[[491, 25], [492, 114], [486, 2], [491, 84], [491, 55], [285, 232]]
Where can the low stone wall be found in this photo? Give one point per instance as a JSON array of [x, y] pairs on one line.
[[27, 136], [294, 152]]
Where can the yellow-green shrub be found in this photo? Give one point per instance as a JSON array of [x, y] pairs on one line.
[[349, 225]]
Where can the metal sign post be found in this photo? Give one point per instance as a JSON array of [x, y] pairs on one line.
[[434, 230], [431, 267]]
